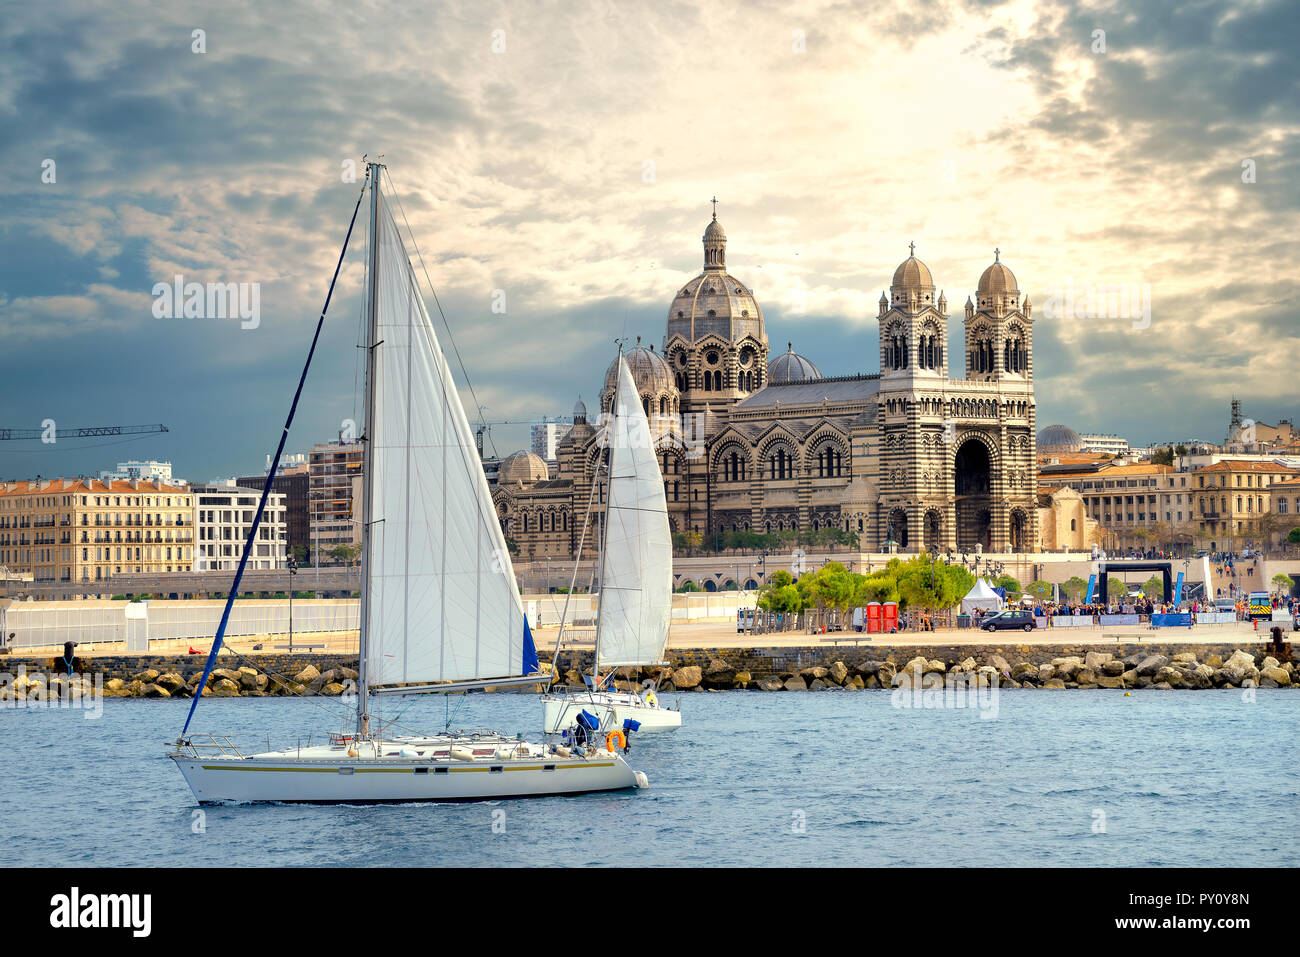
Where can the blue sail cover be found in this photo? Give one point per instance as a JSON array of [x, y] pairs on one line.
[[531, 663], [631, 724], [588, 720]]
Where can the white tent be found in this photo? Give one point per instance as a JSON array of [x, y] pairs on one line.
[[983, 597]]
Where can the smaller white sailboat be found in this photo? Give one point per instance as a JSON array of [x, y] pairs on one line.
[[635, 581], [440, 609]]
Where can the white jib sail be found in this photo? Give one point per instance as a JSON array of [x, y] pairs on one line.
[[636, 589], [443, 604]]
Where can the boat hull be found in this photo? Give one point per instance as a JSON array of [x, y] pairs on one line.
[[560, 713], [222, 780]]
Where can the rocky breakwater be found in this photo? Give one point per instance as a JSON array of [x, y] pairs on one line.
[[1023, 667], [30, 682], [243, 682]]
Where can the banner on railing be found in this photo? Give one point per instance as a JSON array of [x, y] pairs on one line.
[[1181, 619], [1119, 619]]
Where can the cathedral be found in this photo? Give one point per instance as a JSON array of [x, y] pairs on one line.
[[908, 458]]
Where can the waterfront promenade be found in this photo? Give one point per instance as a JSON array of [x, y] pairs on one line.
[[685, 636]]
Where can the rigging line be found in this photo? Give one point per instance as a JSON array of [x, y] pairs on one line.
[[434, 292], [77, 448], [270, 475]]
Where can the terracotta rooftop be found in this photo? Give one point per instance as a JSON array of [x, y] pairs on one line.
[[83, 484]]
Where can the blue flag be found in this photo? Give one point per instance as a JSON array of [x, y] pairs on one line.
[[531, 664]]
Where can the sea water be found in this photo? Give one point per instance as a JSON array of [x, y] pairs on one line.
[[1066, 778]]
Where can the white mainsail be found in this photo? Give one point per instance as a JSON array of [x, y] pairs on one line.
[[442, 603], [636, 584]]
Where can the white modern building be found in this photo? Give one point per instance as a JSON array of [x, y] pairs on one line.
[[135, 470], [547, 435], [1108, 444], [223, 516]]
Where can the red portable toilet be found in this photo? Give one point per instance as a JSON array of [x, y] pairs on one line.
[[889, 616], [873, 618]]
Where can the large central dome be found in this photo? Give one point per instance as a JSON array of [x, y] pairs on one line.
[[715, 302]]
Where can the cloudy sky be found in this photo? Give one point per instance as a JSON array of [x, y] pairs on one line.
[[565, 154]]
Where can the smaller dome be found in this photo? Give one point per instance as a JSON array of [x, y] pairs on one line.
[[1059, 438], [791, 367], [523, 467], [912, 276], [997, 280], [579, 411], [715, 232], [650, 371]]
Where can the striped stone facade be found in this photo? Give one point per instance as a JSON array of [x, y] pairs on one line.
[[908, 455]]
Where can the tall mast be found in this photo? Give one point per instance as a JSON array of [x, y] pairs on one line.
[[604, 512], [367, 459]]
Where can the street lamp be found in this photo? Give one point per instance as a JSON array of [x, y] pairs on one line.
[[293, 570]]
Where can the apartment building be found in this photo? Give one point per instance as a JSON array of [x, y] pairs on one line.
[[334, 490], [88, 530], [1236, 498], [224, 514]]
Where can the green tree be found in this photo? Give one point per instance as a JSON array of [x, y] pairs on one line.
[[1040, 589], [1163, 456], [1153, 587], [1115, 589], [1008, 584], [688, 586], [1293, 536], [346, 553], [1283, 583], [1075, 587]]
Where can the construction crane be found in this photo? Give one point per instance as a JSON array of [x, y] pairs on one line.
[[87, 432], [485, 428]]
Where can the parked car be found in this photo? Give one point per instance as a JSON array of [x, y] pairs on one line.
[[1011, 618]]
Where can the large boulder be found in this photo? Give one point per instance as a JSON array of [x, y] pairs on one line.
[[252, 682], [865, 668], [332, 690], [1113, 668], [855, 683], [1024, 668], [814, 673], [1151, 664], [1240, 666], [147, 676], [1278, 675], [1185, 657], [1097, 660], [224, 688], [154, 691], [173, 683], [1068, 667], [226, 673], [771, 684], [1110, 681], [743, 678], [1055, 683], [1000, 663], [687, 677], [819, 684], [1170, 676], [796, 683], [838, 672], [307, 675], [719, 674]]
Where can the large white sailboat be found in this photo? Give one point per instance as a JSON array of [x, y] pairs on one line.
[[440, 610], [635, 580]]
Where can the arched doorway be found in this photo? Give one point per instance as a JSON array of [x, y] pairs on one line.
[[934, 528], [973, 485], [896, 528], [1018, 531]]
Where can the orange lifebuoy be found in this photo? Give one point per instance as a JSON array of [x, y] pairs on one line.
[[615, 735]]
